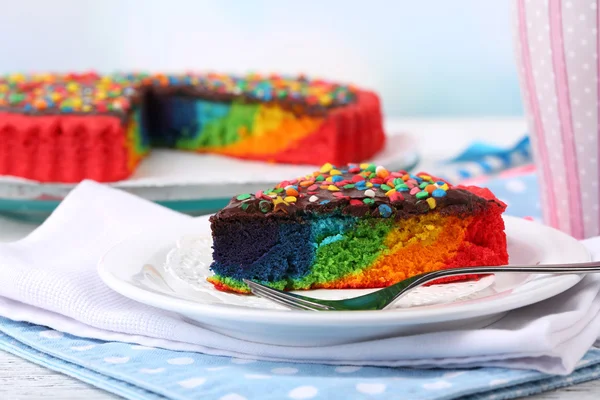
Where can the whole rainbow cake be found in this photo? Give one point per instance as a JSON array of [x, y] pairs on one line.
[[354, 226], [69, 127]]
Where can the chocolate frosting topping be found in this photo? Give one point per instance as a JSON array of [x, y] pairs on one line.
[[116, 94], [358, 190]]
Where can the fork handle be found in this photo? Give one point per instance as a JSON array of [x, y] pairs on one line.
[[394, 292], [576, 268], [557, 269]]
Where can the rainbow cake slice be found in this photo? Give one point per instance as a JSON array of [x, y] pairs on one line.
[[70, 127], [356, 226]]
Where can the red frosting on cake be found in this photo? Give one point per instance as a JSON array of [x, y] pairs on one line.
[[64, 148], [70, 148]]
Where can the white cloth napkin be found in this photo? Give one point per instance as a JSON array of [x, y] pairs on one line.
[[49, 278]]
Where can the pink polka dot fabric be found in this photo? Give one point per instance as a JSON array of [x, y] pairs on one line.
[[556, 43]]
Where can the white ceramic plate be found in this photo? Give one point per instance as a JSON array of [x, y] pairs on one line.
[[166, 268]]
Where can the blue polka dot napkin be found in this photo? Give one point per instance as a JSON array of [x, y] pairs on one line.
[[140, 372], [483, 159]]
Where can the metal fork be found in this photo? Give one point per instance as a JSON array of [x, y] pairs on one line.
[[382, 299]]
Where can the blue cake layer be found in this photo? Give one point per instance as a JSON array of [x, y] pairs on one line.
[[269, 250], [168, 119]]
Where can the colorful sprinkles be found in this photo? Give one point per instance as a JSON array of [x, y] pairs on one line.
[[94, 93], [358, 184]]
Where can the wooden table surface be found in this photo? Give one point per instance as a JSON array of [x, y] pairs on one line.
[[20, 379]]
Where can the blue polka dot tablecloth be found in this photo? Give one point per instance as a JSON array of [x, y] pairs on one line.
[[138, 372]]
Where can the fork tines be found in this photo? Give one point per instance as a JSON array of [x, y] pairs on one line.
[[283, 298]]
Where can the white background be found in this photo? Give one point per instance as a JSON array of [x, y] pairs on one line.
[[426, 57]]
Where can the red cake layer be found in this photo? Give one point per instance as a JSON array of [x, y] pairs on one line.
[[485, 239], [353, 133], [64, 148]]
